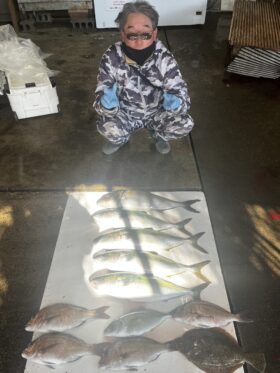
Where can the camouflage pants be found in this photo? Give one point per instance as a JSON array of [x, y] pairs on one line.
[[162, 124]]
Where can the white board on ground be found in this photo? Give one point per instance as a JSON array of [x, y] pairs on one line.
[[69, 270]]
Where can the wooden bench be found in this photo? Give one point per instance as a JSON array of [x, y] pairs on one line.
[[254, 39]]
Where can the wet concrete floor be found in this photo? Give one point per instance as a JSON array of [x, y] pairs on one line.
[[232, 156]]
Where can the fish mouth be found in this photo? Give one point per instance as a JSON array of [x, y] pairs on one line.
[[25, 355]]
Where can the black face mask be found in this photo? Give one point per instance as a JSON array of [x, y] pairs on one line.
[[138, 55]]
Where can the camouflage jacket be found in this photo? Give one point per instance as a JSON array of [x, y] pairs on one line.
[[136, 95]]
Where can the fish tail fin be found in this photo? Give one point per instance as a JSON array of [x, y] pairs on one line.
[[99, 348], [99, 313], [243, 317], [257, 360], [198, 289], [181, 224], [194, 238], [188, 205], [197, 270]]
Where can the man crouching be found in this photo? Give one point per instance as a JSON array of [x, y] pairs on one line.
[[140, 84]]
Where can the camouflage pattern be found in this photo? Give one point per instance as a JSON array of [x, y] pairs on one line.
[[141, 102]]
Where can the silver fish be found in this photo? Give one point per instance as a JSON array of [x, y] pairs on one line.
[[138, 200], [131, 353], [113, 218], [131, 286], [202, 314], [52, 349], [215, 350], [144, 239], [59, 317], [136, 323], [149, 263]]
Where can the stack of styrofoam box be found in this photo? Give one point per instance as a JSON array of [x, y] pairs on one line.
[[2, 82], [31, 99]]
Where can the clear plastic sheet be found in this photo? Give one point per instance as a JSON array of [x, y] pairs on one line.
[[21, 57]]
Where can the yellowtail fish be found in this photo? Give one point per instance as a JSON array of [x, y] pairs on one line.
[[138, 200], [131, 286], [114, 219], [149, 263], [144, 239]]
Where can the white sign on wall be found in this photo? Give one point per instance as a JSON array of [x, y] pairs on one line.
[[113, 5], [171, 13]]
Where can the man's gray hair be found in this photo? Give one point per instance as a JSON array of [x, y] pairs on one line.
[[137, 7]]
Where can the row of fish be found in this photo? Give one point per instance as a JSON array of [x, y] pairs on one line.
[[131, 260], [196, 313], [212, 350], [134, 255]]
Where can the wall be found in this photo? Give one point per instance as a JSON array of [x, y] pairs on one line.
[[4, 12]]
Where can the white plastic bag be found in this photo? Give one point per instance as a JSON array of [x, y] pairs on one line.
[[20, 57]]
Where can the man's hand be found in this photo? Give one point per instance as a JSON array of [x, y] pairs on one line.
[[170, 102], [109, 99]]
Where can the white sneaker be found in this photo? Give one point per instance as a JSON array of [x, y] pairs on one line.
[[162, 146], [110, 148]]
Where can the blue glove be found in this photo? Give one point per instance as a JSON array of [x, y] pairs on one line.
[[109, 99], [170, 102]]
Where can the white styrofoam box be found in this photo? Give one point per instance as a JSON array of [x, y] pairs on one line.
[[48, 5], [171, 13], [33, 99]]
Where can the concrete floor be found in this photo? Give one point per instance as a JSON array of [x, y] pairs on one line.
[[235, 162]]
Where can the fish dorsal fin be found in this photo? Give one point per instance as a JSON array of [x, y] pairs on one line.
[[154, 253], [100, 273], [223, 370], [48, 365]]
